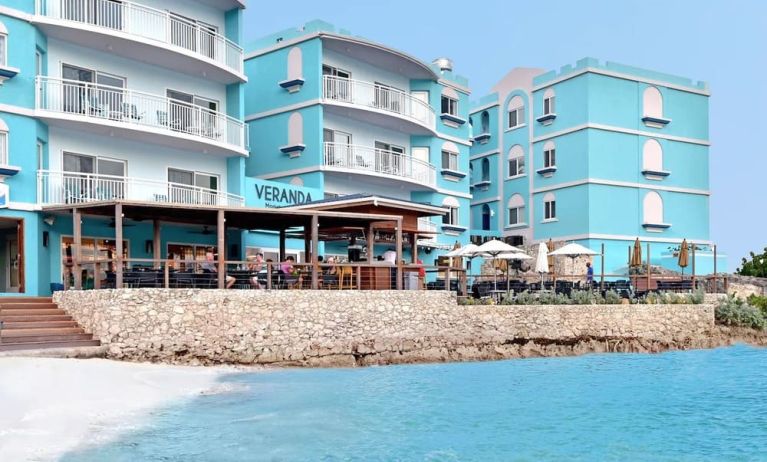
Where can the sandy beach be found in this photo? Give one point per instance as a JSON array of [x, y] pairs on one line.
[[51, 406]]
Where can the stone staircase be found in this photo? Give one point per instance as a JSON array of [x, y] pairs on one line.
[[32, 323]]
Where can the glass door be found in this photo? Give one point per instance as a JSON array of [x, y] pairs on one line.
[[13, 264], [75, 95]]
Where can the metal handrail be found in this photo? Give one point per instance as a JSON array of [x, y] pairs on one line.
[[131, 107], [148, 23], [380, 161]]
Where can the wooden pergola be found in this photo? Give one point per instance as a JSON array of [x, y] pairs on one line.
[[244, 218]]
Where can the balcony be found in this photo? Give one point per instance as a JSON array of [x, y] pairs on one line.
[[378, 104], [58, 188], [378, 162], [113, 110], [143, 33]]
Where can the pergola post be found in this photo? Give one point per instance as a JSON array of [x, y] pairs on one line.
[[649, 281], [693, 265], [308, 241], [119, 246], [398, 233], [156, 244], [282, 245], [78, 238], [602, 277], [414, 247], [221, 245], [315, 234], [370, 239]]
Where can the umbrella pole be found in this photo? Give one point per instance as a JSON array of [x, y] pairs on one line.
[[602, 276]]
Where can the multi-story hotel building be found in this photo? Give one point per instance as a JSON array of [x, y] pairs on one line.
[[597, 153], [105, 99], [348, 117]]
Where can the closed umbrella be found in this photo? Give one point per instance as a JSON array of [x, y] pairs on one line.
[[683, 256], [542, 262], [636, 255], [552, 260]]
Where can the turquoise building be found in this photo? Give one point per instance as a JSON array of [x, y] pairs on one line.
[[596, 153], [106, 100], [343, 115]]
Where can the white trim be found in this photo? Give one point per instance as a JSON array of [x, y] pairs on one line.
[[516, 226], [14, 13], [453, 139], [510, 129], [454, 193], [475, 110], [611, 128], [454, 86], [521, 175], [487, 201], [624, 184], [376, 200], [485, 154], [621, 75], [24, 206], [280, 110], [18, 110], [621, 237], [550, 220]]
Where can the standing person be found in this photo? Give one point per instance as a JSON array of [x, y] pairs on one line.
[[390, 257], [589, 274]]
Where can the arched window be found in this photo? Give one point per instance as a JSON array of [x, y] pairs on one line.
[[652, 102], [549, 155], [549, 206], [451, 217], [516, 161], [295, 129], [295, 64], [516, 110], [3, 143], [652, 157], [485, 169], [652, 208], [450, 156], [297, 181], [516, 207], [485, 122], [485, 217], [3, 45], [548, 102]]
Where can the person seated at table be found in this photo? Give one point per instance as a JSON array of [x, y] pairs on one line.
[[255, 265], [287, 268], [209, 266]]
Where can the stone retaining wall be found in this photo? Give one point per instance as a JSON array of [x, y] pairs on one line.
[[352, 327]]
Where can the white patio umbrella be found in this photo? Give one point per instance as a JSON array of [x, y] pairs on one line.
[[542, 262], [492, 249], [573, 251]]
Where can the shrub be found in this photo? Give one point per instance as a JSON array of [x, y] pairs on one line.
[[612, 297], [733, 311], [697, 297], [758, 301], [582, 297], [525, 298]]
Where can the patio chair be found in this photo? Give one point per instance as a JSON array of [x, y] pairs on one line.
[[162, 119], [346, 272], [130, 111], [329, 281], [95, 107]]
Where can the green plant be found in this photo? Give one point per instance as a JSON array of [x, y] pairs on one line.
[[756, 266], [525, 298], [582, 297], [697, 297], [612, 297], [734, 311], [758, 301]]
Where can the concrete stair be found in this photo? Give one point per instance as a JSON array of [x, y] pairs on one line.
[[33, 323]]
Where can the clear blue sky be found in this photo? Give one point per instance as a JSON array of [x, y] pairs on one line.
[[721, 42]]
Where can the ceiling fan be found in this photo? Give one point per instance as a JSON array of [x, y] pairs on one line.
[[125, 224], [205, 231]]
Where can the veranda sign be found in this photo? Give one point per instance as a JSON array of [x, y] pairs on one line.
[[264, 193]]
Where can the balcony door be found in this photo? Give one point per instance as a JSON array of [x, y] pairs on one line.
[[105, 13], [189, 187], [90, 178], [191, 113], [193, 35], [338, 84], [338, 148], [91, 92], [420, 111], [388, 97], [389, 158]]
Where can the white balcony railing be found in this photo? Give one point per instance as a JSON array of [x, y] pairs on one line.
[[147, 23], [54, 188], [426, 225], [377, 96], [138, 108], [378, 161]]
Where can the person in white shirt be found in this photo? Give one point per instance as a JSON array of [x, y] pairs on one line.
[[390, 256]]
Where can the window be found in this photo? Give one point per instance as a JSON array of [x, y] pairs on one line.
[[295, 64], [337, 83], [485, 217], [548, 102], [549, 155], [449, 160], [516, 109], [79, 163], [516, 207], [653, 208], [451, 204], [3, 50], [652, 103], [188, 187], [93, 178], [485, 169], [516, 161], [295, 129], [3, 148], [449, 105], [190, 178], [485, 122], [652, 157], [40, 155], [549, 207]]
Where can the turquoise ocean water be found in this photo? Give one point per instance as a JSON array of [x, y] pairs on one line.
[[704, 405]]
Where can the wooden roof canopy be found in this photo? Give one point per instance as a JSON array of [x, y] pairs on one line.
[[249, 218]]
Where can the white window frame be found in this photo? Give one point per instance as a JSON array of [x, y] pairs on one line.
[[549, 207], [519, 212], [40, 146], [4, 147], [195, 173], [451, 218], [518, 117], [549, 105], [4, 50], [452, 105], [452, 160], [550, 157], [517, 160]]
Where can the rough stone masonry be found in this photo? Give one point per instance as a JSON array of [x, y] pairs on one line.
[[346, 328]]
